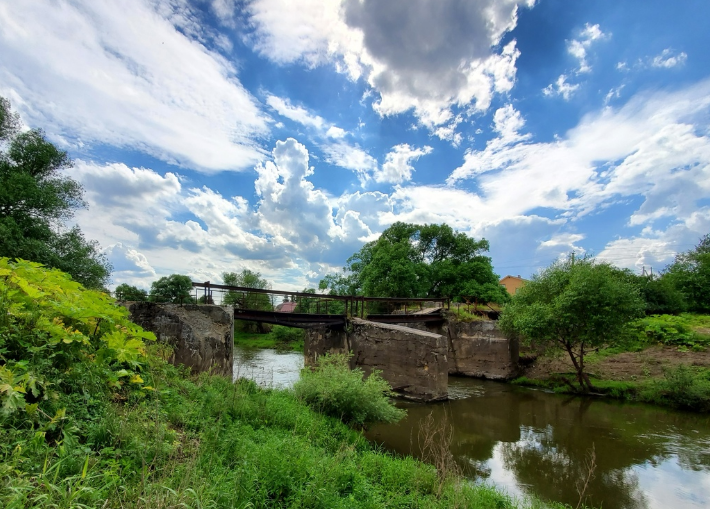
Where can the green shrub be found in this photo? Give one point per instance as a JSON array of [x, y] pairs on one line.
[[286, 334], [334, 389], [667, 330], [683, 387], [62, 346]]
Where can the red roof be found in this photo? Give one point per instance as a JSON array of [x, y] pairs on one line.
[[286, 307]]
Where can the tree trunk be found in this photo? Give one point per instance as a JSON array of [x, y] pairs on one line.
[[579, 368]]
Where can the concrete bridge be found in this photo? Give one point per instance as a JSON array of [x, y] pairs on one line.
[[415, 348]]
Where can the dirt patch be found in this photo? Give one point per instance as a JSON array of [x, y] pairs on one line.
[[648, 363]]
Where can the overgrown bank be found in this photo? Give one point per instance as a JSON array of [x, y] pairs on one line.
[[661, 359], [93, 416]]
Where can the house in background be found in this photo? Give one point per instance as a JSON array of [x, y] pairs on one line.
[[513, 283], [286, 307]]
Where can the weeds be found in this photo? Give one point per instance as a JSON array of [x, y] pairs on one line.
[[334, 389]]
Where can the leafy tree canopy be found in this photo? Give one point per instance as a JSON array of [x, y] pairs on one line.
[[36, 199], [128, 292], [690, 273], [576, 305], [247, 279], [411, 260], [174, 288]]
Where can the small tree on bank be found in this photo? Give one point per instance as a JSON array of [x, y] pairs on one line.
[[576, 305]]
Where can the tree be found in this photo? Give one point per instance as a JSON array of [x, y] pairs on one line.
[[410, 260], [127, 292], [174, 288], [36, 201], [250, 300], [576, 305], [690, 273]]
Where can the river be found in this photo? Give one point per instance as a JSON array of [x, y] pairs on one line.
[[531, 442]]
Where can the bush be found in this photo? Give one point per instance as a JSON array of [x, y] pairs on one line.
[[286, 334], [683, 387], [62, 347], [667, 330], [334, 389]]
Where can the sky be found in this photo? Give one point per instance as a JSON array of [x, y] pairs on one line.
[[279, 136]]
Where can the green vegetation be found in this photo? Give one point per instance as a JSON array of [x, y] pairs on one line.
[[575, 305], [174, 288], [410, 260], [93, 417], [37, 199], [690, 273], [681, 387], [667, 330], [130, 293], [279, 338], [334, 389]]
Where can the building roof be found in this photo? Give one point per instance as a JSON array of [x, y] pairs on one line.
[[286, 307]]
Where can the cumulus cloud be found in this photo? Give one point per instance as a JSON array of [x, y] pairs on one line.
[[129, 265], [132, 74], [561, 87], [579, 49], [397, 167], [459, 63], [351, 157], [656, 147], [668, 58]]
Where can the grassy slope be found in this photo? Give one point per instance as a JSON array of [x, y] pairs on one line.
[[674, 374], [209, 443]]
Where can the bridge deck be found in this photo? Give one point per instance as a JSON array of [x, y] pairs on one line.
[[300, 320]]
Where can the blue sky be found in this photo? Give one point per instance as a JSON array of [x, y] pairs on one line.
[[280, 135]]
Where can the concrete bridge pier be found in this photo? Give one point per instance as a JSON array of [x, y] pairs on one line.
[[414, 362]]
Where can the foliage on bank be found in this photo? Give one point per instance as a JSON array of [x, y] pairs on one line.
[[94, 417], [334, 389], [36, 199]]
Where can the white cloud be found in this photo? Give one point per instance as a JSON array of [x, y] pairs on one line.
[[578, 47], [458, 63], [656, 146], [130, 74], [668, 59], [397, 167], [351, 157], [296, 113], [561, 87]]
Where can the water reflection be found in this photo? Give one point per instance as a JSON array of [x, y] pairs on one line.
[[268, 368], [534, 442]]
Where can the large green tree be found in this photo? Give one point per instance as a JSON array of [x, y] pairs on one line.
[[37, 198], [174, 288], [690, 273], [575, 305], [247, 279], [411, 260], [128, 292]]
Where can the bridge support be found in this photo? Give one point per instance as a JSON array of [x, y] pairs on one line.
[[201, 336], [413, 361]]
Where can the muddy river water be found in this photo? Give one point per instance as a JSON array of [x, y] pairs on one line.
[[532, 442]]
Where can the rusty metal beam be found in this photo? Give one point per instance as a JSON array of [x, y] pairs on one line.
[[299, 320]]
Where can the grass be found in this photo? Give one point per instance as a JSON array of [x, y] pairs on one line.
[[269, 340], [206, 442], [683, 387]]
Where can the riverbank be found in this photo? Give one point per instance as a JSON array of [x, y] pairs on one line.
[[278, 339], [207, 442], [675, 373]]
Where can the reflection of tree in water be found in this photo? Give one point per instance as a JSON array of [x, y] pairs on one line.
[[540, 461]]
